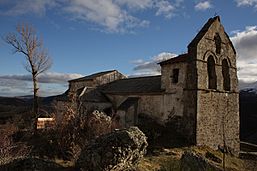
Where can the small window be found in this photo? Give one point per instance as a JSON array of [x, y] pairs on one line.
[[217, 40], [226, 75], [212, 78], [175, 75]]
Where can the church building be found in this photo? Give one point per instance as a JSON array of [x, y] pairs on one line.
[[200, 87]]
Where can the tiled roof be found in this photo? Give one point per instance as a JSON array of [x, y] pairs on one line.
[[150, 84], [180, 58], [92, 76]]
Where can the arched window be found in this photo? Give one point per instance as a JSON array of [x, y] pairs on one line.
[[226, 75], [217, 40], [212, 78]]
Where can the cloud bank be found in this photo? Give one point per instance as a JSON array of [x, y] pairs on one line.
[[19, 85], [151, 67], [245, 42], [252, 3], [111, 15]]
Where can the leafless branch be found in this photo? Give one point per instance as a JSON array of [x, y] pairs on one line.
[[26, 42]]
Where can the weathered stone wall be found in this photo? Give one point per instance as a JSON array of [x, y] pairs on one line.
[[167, 74], [151, 105], [159, 106], [180, 98], [107, 78], [97, 81], [217, 119], [217, 110]]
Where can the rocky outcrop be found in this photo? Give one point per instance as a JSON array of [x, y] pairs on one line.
[[31, 164], [97, 124], [191, 161], [116, 151]]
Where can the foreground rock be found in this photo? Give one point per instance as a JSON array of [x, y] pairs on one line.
[[117, 151], [31, 164], [98, 123], [191, 161]]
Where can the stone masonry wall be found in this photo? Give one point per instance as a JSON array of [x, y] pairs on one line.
[[217, 119], [97, 81], [217, 109], [159, 106]]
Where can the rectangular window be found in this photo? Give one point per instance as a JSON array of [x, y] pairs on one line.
[[175, 75]]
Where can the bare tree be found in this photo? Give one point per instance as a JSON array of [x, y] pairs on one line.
[[26, 42]]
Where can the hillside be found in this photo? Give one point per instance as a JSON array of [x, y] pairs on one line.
[[248, 116]]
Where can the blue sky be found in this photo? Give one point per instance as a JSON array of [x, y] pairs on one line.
[[87, 36]]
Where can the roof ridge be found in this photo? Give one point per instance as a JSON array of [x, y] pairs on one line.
[[203, 30], [101, 72], [180, 58]]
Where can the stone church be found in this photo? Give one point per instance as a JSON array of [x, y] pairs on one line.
[[200, 87]]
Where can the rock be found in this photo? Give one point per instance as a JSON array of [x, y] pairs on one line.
[[192, 161], [97, 124], [116, 151], [31, 164]]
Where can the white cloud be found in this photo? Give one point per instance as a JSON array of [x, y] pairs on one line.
[[109, 15], [112, 14], [151, 67], [18, 85], [202, 6], [247, 3], [165, 8], [138, 4], [38, 7], [245, 43], [105, 13], [48, 77]]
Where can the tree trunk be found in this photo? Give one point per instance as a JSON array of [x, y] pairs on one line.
[[35, 103]]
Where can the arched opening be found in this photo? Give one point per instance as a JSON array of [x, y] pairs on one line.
[[217, 40], [212, 78], [226, 75]]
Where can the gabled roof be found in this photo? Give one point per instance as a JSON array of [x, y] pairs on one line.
[[203, 31], [180, 58], [92, 76], [150, 84]]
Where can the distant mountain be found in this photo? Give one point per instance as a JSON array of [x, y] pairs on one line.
[[15, 101], [249, 87], [248, 115], [14, 106]]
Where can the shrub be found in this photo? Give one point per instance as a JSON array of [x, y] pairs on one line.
[[10, 150]]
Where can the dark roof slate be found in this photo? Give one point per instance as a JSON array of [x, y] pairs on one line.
[[92, 76], [150, 84], [180, 58], [94, 95], [128, 103]]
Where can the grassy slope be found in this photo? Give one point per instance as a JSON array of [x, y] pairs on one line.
[[169, 160]]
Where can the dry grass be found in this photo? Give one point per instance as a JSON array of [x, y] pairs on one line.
[[10, 150], [166, 159], [169, 160]]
